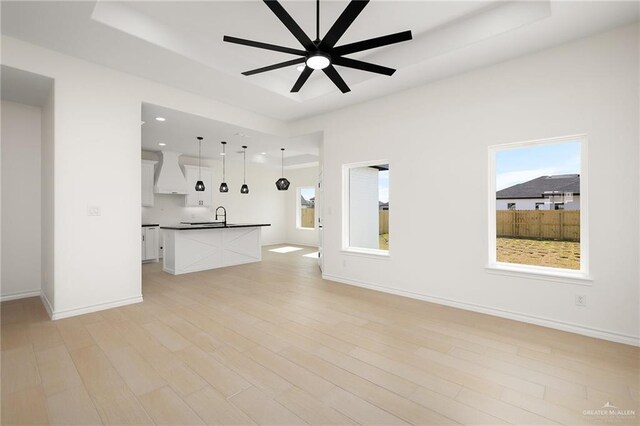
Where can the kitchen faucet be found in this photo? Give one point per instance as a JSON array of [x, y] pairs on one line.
[[225, 214]]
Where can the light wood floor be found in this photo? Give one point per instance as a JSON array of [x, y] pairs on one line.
[[271, 343]]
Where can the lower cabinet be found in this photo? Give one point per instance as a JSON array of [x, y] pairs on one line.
[[150, 235]]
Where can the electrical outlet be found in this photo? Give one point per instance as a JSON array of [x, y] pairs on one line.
[[93, 210], [581, 300]]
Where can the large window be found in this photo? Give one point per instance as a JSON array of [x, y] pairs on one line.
[[538, 208], [366, 207], [306, 208]]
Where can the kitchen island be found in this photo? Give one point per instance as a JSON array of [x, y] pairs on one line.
[[192, 248]]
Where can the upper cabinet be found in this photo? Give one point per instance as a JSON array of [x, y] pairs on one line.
[[148, 171], [198, 198]]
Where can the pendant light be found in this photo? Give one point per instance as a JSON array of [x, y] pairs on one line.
[[199, 183], [223, 186], [283, 183], [244, 189]]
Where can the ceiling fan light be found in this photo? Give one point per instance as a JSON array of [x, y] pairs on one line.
[[244, 189], [318, 60], [282, 184], [224, 187]]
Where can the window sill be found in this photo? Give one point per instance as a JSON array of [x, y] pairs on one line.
[[540, 273], [300, 228], [372, 253]]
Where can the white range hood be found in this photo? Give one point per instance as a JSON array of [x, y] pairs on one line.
[[170, 178]]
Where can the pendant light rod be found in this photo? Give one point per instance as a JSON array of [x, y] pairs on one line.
[[199, 157], [244, 161], [224, 160], [282, 163]]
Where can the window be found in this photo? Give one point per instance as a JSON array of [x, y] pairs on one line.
[[366, 207], [543, 231], [305, 208]]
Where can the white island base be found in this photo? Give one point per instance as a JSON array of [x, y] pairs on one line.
[[193, 250]]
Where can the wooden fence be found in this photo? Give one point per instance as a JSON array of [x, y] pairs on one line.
[[307, 217], [561, 225], [384, 222]]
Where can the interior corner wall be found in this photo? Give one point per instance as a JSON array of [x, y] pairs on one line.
[[21, 211], [302, 177], [48, 201], [439, 182], [97, 164]]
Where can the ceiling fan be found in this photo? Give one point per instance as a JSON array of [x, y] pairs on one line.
[[322, 54]]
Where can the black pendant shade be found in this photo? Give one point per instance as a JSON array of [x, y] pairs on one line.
[[244, 189], [199, 183], [223, 186], [283, 183]]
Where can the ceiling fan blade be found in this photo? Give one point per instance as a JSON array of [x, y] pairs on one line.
[[372, 43], [364, 66], [331, 72], [275, 66], [343, 22], [261, 45], [291, 25], [304, 76]]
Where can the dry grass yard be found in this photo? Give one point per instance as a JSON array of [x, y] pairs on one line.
[[384, 242], [555, 254]]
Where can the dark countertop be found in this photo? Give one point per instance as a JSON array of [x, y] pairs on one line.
[[150, 224], [184, 227]]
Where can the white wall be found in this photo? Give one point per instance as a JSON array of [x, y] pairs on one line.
[[303, 177], [21, 141], [97, 163], [441, 135], [364, 223], [263, 204], [47, 200]]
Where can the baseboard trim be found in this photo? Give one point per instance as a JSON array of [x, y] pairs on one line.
[[47, 304], [530, 319], [94, 308], [19, 295]]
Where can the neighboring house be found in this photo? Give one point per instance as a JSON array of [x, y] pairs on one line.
[[305, 204], [383, 206], [559, 192]]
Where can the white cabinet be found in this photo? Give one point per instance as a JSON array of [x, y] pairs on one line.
[[148, 171], [198, 198], [150, 235]]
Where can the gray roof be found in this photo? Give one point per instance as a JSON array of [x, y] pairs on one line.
[[537, 187]]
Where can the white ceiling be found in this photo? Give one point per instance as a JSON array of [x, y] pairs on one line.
[[179, 131], [180, 43]]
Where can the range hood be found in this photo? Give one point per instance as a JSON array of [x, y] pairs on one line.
[[170, 179]]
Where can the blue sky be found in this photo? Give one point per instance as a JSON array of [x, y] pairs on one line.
[[308, 193], [519, 165]]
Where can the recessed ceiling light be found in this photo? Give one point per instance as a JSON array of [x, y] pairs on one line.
[[162, 144], [142, 122], [300, 68], [263, 153], [222, 153], [160, 119]]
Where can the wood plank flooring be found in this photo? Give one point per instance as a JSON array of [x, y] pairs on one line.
[[272, 343]]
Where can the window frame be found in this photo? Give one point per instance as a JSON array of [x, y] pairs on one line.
[[346, 197], [299, 209], [546, 273]]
